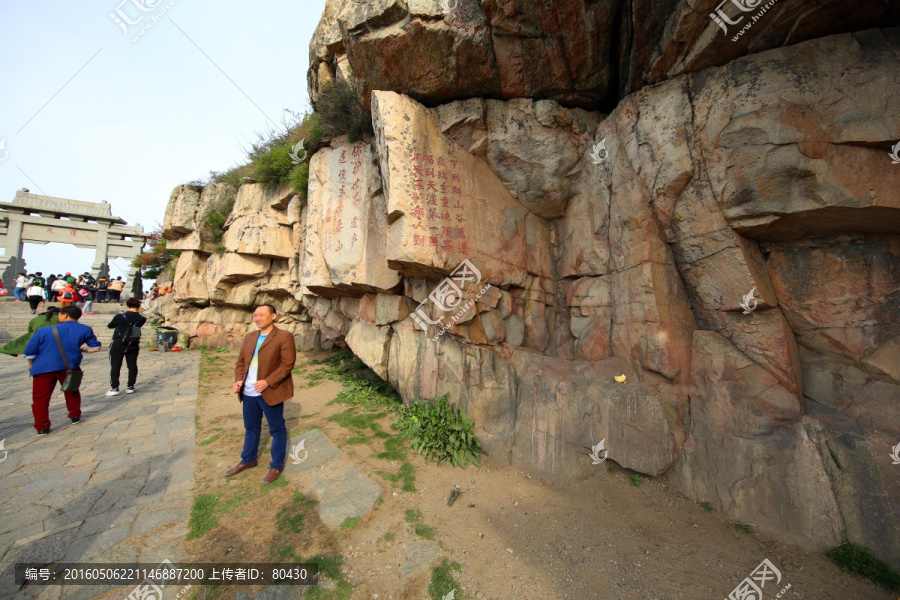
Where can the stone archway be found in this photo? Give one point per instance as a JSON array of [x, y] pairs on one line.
[[44, 219]]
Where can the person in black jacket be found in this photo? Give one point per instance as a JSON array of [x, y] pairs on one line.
[[125, 345]]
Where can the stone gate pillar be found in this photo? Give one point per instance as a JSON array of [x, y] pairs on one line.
[[12, 262], [100, 266], [137, 283]]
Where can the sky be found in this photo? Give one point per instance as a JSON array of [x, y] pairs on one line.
[[89, 114]]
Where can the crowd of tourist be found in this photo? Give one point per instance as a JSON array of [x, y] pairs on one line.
[[67, 289]]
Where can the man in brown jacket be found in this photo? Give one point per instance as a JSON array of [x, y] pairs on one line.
[[263, 382]]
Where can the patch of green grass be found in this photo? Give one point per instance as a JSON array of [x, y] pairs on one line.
[[636, 480], [745, 527], [413, 515], [861, 561], [425, 531], [290, 517], [209, 440], [352, 418], [281, 482], [707, 506], [379, 501], [350, 523], [394, 449], [221, 349], [203, 518], [443, 582], [407, 475], [389, 536], [330, 567], [241, 496]]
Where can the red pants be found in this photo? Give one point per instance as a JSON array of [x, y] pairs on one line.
[[42, 387]]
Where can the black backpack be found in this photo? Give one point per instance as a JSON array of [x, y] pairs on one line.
[[130, 334]]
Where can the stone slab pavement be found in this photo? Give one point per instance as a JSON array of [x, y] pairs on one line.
[[322, 472], [116, 487]]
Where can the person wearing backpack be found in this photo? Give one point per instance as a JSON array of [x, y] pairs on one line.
[[102, 285], [126, 344], [67, 295]]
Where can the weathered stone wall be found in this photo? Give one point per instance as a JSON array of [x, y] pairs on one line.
[[770, 173]]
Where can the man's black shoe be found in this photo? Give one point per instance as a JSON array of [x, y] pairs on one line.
[[44, 431], [76, 420]]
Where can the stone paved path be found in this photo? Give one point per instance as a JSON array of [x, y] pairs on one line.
[[114, 488], [322, 472]]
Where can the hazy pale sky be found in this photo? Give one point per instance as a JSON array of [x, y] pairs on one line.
[[89, 114]]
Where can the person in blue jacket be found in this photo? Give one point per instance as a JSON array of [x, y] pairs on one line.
[[47, 367]]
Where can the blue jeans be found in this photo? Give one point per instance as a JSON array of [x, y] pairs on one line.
[[19, 293], [254, 409]]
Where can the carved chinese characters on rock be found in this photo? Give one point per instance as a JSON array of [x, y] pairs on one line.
[[437, 215], [345, 219]]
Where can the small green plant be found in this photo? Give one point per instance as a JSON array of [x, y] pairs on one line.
[[350, 523], [203, 518], [212, 227], [861, 561], [745, 527], [442, 581], [636, 480], [707, 506], [440, 431], [221, 349], [338, 112]]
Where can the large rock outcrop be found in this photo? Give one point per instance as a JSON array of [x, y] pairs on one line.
[[579, 53], [728, 238]]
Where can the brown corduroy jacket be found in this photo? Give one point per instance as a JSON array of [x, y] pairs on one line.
[[277, 356]]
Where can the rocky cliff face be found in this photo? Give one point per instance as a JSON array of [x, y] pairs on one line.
[[503, 241]]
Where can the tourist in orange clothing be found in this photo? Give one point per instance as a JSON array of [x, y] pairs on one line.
[[68, 295]]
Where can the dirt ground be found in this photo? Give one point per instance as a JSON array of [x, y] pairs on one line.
[[511, 534]]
